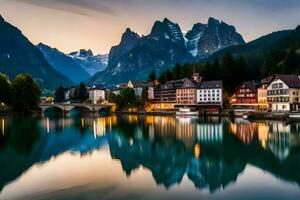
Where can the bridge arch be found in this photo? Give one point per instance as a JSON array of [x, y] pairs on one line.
[[81, 108], [56, 107], [66, 108]]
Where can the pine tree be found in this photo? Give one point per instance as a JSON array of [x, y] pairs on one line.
[[59, 95], [152, 76]]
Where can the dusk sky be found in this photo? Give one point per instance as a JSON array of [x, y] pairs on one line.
[[70, 25]]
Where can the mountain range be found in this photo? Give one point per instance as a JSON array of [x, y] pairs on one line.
[[90, 62], [19, 55], [135, 56], [64, 64]]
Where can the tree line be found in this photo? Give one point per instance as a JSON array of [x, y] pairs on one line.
[[22, 94]]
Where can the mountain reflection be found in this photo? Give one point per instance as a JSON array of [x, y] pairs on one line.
[[210, 152]]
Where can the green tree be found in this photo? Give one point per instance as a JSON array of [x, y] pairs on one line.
[[127, 97], [59, 95], [5, 89], [144, 96], [177, 71], [26, 94], [291, 62], [83, 93], [112, 98], [152, 76], [165, 76]]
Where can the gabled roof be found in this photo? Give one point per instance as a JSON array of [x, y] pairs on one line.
[[173, 84], [292, 81], [267, 80], [188, 83], [97, 87], [211, 84], [137, 83], [252, 85]]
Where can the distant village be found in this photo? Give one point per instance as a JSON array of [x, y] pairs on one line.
[[277, 93]]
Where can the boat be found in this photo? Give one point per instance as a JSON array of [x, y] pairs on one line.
[[294, 116], [246, 115], [187, 112]]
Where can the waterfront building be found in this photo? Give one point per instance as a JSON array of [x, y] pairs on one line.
[[186, 94], [283, 93], [262, 92], [165, 94], [210, 93], [96, 94], [246, 94]]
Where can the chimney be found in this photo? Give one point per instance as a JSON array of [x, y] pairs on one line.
[[197, 78]]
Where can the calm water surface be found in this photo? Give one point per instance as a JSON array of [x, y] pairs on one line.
[[143, 157]]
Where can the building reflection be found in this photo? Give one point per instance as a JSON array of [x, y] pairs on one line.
[[2, 125], [210, 133], [282, 139], [186, 130], [98, 125], [275, 136], [243, 130]]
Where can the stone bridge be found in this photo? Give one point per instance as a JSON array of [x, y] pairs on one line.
[[67, 107]]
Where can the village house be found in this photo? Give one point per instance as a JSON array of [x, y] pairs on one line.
[[262, 101], [283, 93], [210, 93], [96, 94], [246, 94], [138, 87]]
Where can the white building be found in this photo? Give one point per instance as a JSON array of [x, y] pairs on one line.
[[96, 94], [210, 93], [138, 87], [283, 93]]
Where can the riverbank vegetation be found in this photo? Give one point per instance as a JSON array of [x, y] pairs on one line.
[[21, 94], [125, 99]]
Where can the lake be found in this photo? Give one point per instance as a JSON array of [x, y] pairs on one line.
[[148, 157]]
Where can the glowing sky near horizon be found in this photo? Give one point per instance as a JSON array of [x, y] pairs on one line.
[[70, 25]]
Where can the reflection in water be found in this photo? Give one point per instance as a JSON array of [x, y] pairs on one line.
[[211, 153], [275, 136], [2, 120]]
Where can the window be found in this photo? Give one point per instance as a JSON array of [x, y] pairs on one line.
[[280, 85]]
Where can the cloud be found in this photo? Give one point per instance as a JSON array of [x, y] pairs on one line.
[[81, 7]]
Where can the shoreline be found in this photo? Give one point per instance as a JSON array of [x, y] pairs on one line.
[[257, 116]]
